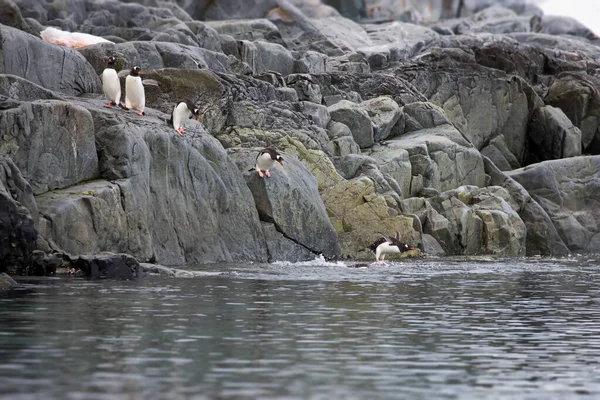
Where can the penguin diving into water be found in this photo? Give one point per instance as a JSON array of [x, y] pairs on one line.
[[134, 91], [183, 111], [388, 245], [265, 160], [111, 85]]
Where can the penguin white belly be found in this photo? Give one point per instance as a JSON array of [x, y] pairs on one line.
[[264, 161], [134, 93], [181, 113], [385, 248], [111, 86]]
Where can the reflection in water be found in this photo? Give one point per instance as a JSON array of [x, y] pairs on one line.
[[423, 329]]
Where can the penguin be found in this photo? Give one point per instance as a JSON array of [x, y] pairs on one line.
[[388, 245], [265, 160], [183, 110], [134, 91], [111, 85]]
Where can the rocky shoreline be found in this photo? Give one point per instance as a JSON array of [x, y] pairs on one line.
[[469, 129]]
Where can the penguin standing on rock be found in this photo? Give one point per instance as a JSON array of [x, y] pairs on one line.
[[388, 245], [183, 111], [111, 85], [265, 160], [134, 91]]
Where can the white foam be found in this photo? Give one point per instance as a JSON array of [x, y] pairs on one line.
[[319, 261]]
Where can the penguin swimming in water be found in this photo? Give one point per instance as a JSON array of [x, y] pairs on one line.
[[388, 245], [265, 160], [134, 91], [111, 85], [183, 110]]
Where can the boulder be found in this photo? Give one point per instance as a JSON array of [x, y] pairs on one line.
[[356, 118], [394, 160], [358, 213], [265, 56], [6, 282], [442, 158], [567, 190], [576, 94], [542, 237], [385, 114], [423, 115], [51, 66], [108, 266], [248, 29], [290, 200], [553, 135]]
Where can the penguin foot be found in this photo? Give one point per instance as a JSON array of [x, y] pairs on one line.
[[259, 173], [124, 107], [140, 113], [267, 173], [109, 105], [180, 131]]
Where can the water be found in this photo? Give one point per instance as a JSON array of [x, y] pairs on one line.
[[420, 329]]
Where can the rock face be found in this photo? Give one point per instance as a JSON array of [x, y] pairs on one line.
[[385, 123], [75, 75], [568, 191]]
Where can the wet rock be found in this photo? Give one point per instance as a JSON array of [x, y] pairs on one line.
[[18, 233], [108, 266], [6, 282]]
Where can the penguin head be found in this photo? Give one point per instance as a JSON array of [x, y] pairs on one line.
[[279, 159], [111, 61], [135, 71], [193, 109]]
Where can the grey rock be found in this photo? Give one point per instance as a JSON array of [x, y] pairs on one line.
[[561, 25], [281, 248], [394, 160], [265, 56], [317, 113], [298, 213], [395, 41], [342, 146], [249, 30], [353, 63], [154, 55], [52, 143], [497, 151], [542, 237], [576, 94], [423, 115], [108, 266], [18, 232], [6, 282], [356, 118], [431, 246], [52, 67], [567, 190], [553, 135], [306, 88], [310, 62], [385, 114], [287, 94]]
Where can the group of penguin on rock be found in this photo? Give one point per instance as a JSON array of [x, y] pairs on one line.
[[135, 99]]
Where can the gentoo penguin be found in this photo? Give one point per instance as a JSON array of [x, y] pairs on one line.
[[388, 245], [134, 91], [183, 110], [265, 160], [111, 85]]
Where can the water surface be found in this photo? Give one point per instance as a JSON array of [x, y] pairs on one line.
[[420, 329]]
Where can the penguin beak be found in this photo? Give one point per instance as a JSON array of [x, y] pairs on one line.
[[280, 162], [411, 248], [198, 117]]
